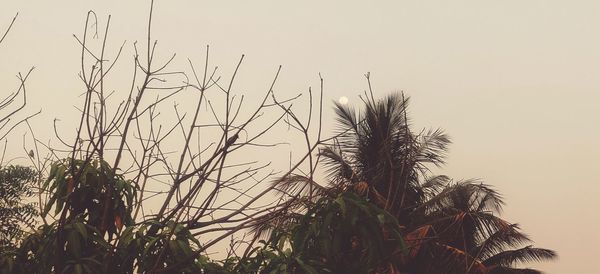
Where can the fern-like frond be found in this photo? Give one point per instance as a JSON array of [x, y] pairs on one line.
[[338, 169], [510, 270], [503, 239], [296, 185], [523, 255]]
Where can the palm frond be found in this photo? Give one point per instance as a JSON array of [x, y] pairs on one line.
[[432, 148], [510, 270], [346, 117], [266, 224], [417, 238], [432, 185], [296, 185], [288, 214], [338, 169], [507, 237], [469, 195], [441, 258], [464, 229], [522, 255]]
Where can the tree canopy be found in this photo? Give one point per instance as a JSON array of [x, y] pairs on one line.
[[17, 214], [131, 193]]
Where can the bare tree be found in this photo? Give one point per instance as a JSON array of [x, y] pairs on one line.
[[190, 170], [13, 102]]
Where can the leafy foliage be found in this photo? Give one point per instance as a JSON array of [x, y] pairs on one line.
[[16, 213], [87, 187], [449, 227], [378, 149], [455, 227], [85, 249], [345, 234], [383, 212], [470, 237], [121, 246], [171, 246]]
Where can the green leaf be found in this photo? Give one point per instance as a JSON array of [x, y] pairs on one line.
[[126, 237], [184, 247], [342, 203], [174, 248], [49, 205], [59, 206], [87, 269], [381, 218], [150, 244], [80, 227], [78, 269], [91, 261], [50, 175], [305, 267], [74, 244], [193, 239]]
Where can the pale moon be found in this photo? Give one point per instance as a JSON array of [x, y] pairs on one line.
[[343, 100]]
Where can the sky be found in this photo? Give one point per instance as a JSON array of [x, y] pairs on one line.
[[514, 83]]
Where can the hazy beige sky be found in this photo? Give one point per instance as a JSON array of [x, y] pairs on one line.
[[515, 83]]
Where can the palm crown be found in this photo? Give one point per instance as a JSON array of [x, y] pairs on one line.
[[448, 227]]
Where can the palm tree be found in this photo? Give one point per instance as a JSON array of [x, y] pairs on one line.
[[449, 228], [377, 154], [469, 235]]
